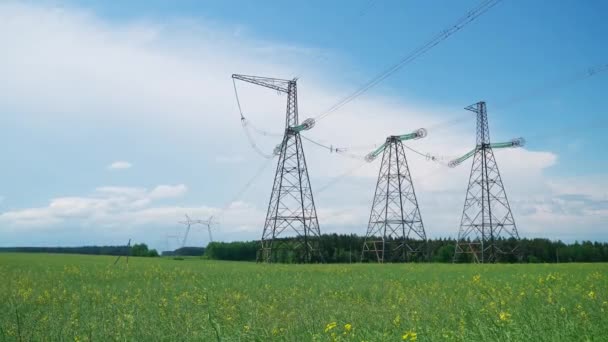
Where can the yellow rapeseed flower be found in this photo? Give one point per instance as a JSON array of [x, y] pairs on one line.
[[409, 336], [591, 295], [330, 326], [504, 316], [348, 327]]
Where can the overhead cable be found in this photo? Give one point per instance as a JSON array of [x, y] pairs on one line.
[[435, 40]]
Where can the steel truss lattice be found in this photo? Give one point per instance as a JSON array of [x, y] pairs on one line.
[[487, 230], [395, 231], [291, 230]]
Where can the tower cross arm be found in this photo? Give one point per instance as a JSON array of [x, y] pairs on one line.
[[417, 134], [277, 84], [375, 153], [518, 142]]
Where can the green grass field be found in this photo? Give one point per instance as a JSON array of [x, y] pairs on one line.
[[84, 298]]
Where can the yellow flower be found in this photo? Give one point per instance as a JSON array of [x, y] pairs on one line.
[[504, 316], [348, 327], [476, 278], [591, 295], [409, 336], [246, 328], [330, 326]]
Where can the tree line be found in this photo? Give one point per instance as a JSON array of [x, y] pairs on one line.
[[185, 251], [140, 249], [346, 248]]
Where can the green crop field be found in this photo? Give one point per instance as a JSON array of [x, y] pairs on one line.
[[84, 298]]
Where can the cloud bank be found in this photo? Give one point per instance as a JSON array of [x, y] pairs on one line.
[[170, 82]]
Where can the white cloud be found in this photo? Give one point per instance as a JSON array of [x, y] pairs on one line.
[[105, 206], [120, 165], [168, 191]]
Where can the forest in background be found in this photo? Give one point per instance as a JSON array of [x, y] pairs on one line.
[[346, 248]]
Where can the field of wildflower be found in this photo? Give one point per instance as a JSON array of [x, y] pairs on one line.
[[87, 298]]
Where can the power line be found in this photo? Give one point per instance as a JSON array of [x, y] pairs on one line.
[[245, 187], [556, 84], [338, 150], [321, 57], [587, 73], [532, 93], [428, 156], [338, 178], [330, 148], [438, 38], [238, 102], [343, 151], [246, 124]]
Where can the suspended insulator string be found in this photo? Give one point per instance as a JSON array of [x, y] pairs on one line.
[[245, 123], [253, 145], [438, 38], [238, 102], [428, 156], [343, 151], [338, 150]]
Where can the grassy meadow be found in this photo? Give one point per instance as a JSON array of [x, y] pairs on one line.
[[86, 298]]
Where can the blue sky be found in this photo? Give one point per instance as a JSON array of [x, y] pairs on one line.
[[90, 83]]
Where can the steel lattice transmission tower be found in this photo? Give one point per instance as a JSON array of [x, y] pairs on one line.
[[291, 229], [395, 231], [188, 223], [487, 229]]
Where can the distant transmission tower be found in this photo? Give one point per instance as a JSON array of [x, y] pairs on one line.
[[208, 224], [188, 223], [487, 229], [395, 231], [291, 228]]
